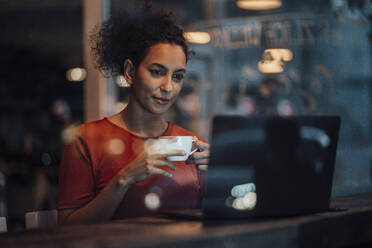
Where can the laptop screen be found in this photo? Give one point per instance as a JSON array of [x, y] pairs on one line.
[[270, 165]]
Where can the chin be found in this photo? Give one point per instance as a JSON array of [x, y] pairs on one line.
[[162, 111], [158, 110]]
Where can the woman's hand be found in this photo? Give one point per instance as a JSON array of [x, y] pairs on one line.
[[201, 156], [146, 164]]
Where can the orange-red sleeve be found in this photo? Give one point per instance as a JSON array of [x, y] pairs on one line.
[[76, 176]]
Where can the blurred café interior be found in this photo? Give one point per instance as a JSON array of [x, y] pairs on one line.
[[280, 57]]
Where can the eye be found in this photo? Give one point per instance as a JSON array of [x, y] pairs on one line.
[[178, 77], [156, 73]]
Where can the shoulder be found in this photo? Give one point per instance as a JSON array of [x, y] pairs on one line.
[[88, 130], [94, 124]]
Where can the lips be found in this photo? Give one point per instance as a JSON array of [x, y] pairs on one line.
[[161, 100]]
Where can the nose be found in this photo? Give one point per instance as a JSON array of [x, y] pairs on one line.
[[167, 84]]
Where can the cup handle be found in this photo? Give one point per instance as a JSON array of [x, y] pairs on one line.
[[193, 151]]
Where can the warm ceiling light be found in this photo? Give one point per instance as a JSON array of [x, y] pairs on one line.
[[76, 74], [197, 37], [280, 54], [259, 4], [273, 60], [268, 67]]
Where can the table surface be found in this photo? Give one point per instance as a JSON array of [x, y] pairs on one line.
[[330, 229]]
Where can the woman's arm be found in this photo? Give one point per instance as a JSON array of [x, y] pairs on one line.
[[102, 207]]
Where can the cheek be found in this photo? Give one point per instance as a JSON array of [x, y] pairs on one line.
[[140, 86], [178, 88]]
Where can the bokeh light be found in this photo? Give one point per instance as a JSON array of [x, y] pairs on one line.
[[152, 201], [258, 4], [242, 189], [116, 146], [76, 74], [247, 202], [197, 37], [69, 134], [46, 159], [280, 54], [268, 67]]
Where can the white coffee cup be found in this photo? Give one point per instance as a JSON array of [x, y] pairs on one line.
[[166, 144], [182, 143]]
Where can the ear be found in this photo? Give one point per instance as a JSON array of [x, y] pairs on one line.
[[129, 70]]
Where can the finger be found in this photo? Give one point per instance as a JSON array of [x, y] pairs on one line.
[[156, 162], [196, 149], [201, 145], [193, 160], [159, 171], [201, 155], [201, 161], [203, 167]]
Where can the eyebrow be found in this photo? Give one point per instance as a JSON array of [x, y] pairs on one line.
[[165, 68]]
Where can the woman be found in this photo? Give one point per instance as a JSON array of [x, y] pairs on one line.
[[105, 172]]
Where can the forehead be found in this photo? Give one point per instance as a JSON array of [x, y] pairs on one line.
[[169, 55]]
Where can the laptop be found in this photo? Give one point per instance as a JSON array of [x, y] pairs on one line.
[[266, 166]]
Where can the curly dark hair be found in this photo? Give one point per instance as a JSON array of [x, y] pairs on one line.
[[130, 35]]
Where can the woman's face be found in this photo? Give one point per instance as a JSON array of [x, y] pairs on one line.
[[159, 77]]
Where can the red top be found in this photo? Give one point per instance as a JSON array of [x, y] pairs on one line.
[[100, 149]]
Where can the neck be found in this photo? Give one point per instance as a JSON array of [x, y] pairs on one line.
[[141, 122]]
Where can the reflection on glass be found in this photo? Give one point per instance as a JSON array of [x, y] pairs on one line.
[[242, 189], [46, 159], [315, 134], [76, 74], [285, 108], [267, 66], [243, 197], [69, 134], [279, 54], [152, 201], [247, 202], [116, 146], [273, 60], [197, 37], [258, 4]]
